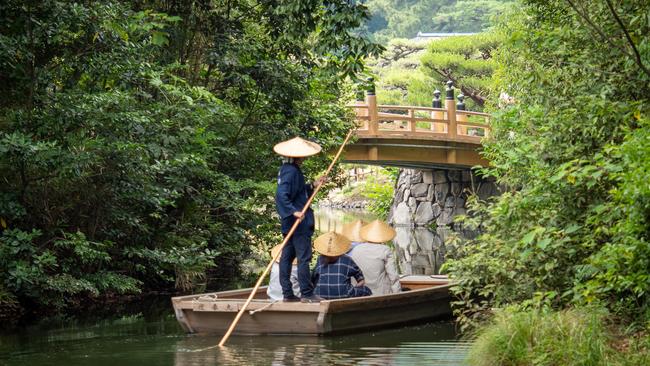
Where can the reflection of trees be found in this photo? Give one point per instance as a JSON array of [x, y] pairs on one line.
[[284, 350], [332, 219]]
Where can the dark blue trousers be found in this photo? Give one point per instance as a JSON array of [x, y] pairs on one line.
[[299, 246]]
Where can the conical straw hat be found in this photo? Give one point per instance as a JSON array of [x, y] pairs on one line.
[[352, 230], [297, 148], [377, 232], [332, 244], [274, 252]]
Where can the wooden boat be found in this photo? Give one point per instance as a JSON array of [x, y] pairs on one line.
[[427, 298]]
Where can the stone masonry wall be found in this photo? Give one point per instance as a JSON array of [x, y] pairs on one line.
[[424, 196]]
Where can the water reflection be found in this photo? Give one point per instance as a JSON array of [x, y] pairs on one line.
[[147, 341], [379, 348], [151, 335], [418, 250]]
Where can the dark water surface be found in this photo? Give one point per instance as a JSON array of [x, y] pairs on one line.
[[147, 340], [149, 335]]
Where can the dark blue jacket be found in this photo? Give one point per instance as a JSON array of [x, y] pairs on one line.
[[291, 196]]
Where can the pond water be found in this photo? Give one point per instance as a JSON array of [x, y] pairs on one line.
[[142, 340], [147, 332]]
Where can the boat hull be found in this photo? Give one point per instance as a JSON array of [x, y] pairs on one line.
[[213, 313]]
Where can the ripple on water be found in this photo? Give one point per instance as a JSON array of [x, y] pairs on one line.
[[274, 352]]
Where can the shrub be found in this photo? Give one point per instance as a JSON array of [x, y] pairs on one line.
[[543, 337]]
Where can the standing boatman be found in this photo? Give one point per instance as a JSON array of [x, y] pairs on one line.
[[290, 198]]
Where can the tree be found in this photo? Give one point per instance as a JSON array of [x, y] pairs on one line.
[[465, 60], [408, 72], [135, 137], [572, 147], [404, 19]]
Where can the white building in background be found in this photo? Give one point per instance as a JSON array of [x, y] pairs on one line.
[[435, 36]]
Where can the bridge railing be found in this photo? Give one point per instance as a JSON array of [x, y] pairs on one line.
[[452, 122]]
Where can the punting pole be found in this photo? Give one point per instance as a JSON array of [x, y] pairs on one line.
[[284, 242]]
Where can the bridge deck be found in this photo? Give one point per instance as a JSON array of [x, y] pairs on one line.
[[412, 136]]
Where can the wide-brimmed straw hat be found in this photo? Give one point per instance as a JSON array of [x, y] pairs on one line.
[[332, 244], [297, 148], [274, 252], [377, 232], [352, 230]]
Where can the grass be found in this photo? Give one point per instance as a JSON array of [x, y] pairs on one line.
[[570, 337]]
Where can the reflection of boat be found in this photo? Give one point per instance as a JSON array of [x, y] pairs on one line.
[[427, 298]]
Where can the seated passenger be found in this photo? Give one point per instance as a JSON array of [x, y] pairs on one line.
[[274, 291], [351, 231], [374, 258], [334, 270]]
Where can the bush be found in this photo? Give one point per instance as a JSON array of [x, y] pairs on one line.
[[543, 337], [573, 227], [380, 191]]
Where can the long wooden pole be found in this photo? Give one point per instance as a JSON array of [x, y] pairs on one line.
[[284, 242]]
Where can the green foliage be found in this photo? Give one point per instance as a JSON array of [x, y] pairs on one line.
[[469, 16], [399, 77], [408, 72], [135, 137], [379, 192], [404, 19], [617, 272], [465, 60], [574, 337], [571, 145]]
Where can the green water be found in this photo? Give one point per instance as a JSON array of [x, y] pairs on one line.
[[156, 339], [146, 333]]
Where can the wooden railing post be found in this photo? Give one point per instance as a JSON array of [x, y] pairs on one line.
[[361, 112], [373, 113], [450, 105], [461, 117], [437, 103]]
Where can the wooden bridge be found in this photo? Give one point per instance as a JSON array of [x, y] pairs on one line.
[[418, 137]]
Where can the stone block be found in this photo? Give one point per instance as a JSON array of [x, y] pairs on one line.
[[456, 189], [416, 177], [487, 190], [454, 176], [430, 196], [423, 214], [421, 199], [419, 190], [427, 176], [399, 196], [425, 238], [439, 176], [436, 209], [437, 242], [450, 202], [402, 215], [407, 195], [446, 217], [412, 203], [459, 211], [403, 237], [466, 176], [440, 192]]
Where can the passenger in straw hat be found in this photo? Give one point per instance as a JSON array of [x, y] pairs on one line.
[[352, 231], [291, 197], [375, 259], [274, 291], [334, 270]]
